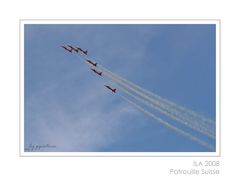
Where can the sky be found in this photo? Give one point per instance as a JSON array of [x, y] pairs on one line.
[[67, 106]]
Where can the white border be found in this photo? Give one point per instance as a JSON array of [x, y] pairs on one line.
[[122, 154]]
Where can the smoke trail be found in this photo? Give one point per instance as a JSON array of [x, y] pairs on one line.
[[186, 113], [164, 106], [162, 110], [179, 131], [159, 109], [164, 103], [185, 110]]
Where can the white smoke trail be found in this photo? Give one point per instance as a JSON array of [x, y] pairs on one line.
[[160, 108], [168, 108], [183, 109], [179, 131], [182, 112]]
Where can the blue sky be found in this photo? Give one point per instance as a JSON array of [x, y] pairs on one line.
[[66, 104]]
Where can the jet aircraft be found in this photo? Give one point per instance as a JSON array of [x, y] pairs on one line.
[[75, 49], [82, 51], [67, 49], [91, 62], [110, 88], [95, 71]]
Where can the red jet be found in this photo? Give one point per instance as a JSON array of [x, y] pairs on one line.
[[113, 90], [75, 49], [82, 51], [91, 62], [95, 71], [67, 49]]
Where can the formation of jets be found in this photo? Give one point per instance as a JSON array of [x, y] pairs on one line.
[[70, 49]]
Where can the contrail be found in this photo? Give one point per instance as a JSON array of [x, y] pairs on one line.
[[165, 111], [174, 108], [161, 106], [178, 107], [160, 110], [168, 108], [179, 131]]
